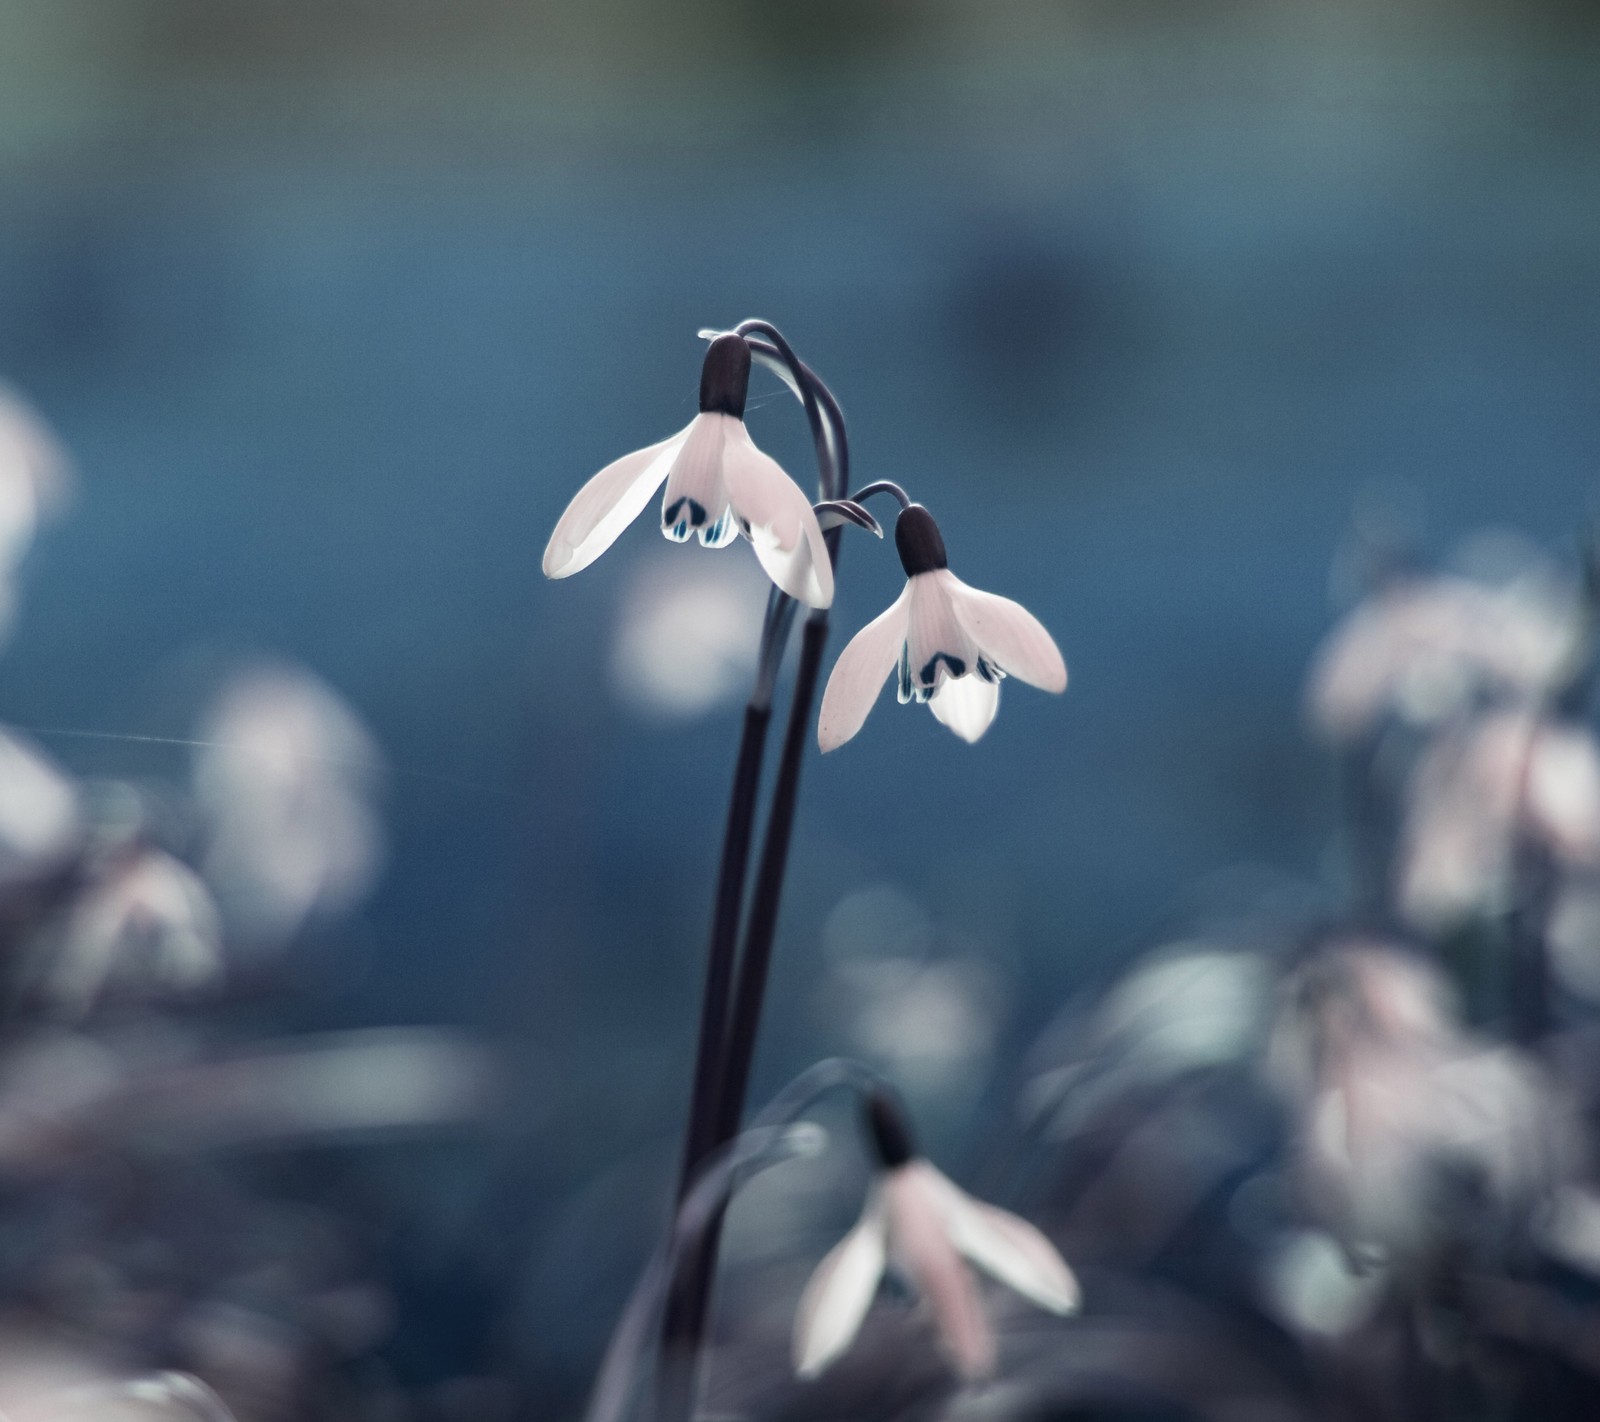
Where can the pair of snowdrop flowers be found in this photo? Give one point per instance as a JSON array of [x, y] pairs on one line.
[[918, 1221], [951, 643]]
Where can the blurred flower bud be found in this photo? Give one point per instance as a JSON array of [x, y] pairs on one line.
[[1410, 1131], [40, 820], [1476, 793], [285, 779], [1423, 647], [688, 636], [144, 921], [34, 477]]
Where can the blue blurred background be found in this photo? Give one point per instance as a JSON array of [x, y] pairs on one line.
[[335, 307]]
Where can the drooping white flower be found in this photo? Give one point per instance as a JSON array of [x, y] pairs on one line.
[[1423, 646], [688, 634], [34, 476], [719, 485], [917, 1221], [145, 917], [286, 774], [1501, 779], [1409, 1128], [40, 817], [951, 642]]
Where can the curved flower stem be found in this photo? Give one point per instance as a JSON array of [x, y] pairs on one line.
[[701, 1210], [725, 1083], [771, 1138], [827, 433], [822, 410], [882, 486]]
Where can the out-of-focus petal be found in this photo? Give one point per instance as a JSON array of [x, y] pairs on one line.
[[333, 1085], [1563, 792], [149, 918], [39, 812], [1010, 1249], [917, 1227], [1007, 634], [34, 475], [777, 518], [1569, 1228], [839, 1293], [967, 705], [1461, 812], [858, 675], [1423, 646], [1472, 794], [607, 504], [286, 774], [688, 634]]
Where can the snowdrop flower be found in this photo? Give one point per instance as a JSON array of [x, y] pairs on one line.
[[40, 817], [1501, 779], [719, 485], [920, 1220], [1423, 647], [952, 643], [1410, 1128], [285, 774], [689, 634], [146, 916], [34, 475]]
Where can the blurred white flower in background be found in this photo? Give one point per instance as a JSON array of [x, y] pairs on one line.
[[34, 479], [46, 1379], [327, 1086], [1409, 1128], [1311, 1284], [144, 920], [153, 1397], [40, 816], [1476, 793], [927, 1018], [929, 1025], [687, 638], [285, 779], [1191, 1007], [1573, 936], [51, 1082], [1421, 648]]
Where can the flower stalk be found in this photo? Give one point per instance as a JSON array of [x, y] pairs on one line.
[[734, 990], [718, 487]]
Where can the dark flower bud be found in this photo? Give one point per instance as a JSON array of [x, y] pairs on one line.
[[920, 545], [889, 1129], [725, 377]]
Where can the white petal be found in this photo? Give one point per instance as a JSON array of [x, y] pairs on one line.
[[918, 1229], [1013, 1251], [695, 499], [840, 1292], [607, 504], [966, 705], [776, 517], [1007, 634], [937, 647], [859, 673], [1563, 791]]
